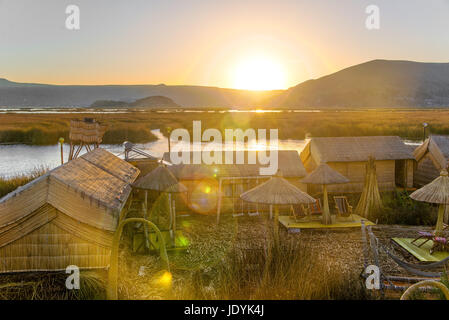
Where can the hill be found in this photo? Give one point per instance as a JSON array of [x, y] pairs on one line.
[[148, 102], [374, 84], [13, 94]]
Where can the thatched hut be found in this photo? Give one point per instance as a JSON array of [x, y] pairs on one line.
[[65, 217], [431, 157], [217, 188], [348, 155], [87, 133]]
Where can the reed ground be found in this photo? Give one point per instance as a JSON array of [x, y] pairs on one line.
[[236, 260], [232, 260]]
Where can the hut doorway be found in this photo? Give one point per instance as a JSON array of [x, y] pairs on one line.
[[400, 173]]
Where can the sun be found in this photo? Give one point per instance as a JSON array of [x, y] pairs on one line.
[[259, 73]]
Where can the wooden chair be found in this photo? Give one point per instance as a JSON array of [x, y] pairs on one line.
[[439, 244], [426, 236], [298, 211], [343, 207], [315, 208]]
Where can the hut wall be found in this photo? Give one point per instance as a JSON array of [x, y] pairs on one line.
[[410, 172], [57, 242], [425, 171], [197, 200], [355, 172]]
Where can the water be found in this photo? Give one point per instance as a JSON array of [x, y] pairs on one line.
[[21, 159], [125, 110]]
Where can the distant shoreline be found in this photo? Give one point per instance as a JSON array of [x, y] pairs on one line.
[[45, 127], [93, 110]]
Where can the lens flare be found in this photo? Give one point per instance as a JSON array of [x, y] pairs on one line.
[[203, 198], [165, 280]]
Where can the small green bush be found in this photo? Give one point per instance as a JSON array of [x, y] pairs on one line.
[[399, 208]]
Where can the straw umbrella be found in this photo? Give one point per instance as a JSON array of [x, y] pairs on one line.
[[435, 192], [276, 191], [161, 180], [324, 175]]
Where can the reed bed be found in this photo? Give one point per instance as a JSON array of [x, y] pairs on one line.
[[51, 286], [135, 126], [9, 184]]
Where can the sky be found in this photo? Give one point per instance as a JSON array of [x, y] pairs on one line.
[[233, 44]]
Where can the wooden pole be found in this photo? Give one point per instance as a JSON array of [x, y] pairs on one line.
[[71, 151], [219, 200], [61, 142], [160, 194], [174, 222], [145, 227], [170, 211], [439, 226], [326, 214], [276, 225]]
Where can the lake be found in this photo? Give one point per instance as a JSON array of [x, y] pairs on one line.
[[21, 159]]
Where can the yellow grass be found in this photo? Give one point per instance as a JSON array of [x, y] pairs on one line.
[[136, 126]]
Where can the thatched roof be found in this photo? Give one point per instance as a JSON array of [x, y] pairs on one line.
[[277, 190], [91, 189], [324, 174], [350, 149], [435, 192], [113, 165], [438, 147], [160, 179], [288, 161], [194, 171]]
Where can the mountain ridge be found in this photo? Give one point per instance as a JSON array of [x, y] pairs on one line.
[[377, 83]]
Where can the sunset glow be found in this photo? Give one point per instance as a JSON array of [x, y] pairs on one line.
[[259, 73]]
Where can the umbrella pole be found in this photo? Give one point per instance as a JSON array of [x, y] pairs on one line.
[[326, 214], [439, 226], [157, 211], [170, 214], [145, 226], [276, 225], [174, 222]]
